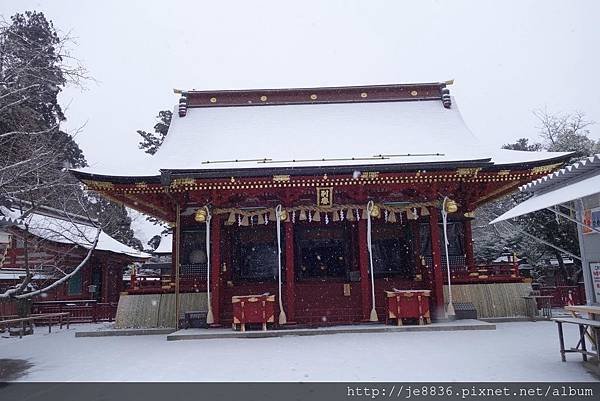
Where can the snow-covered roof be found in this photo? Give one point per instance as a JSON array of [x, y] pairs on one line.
[[580, 169], [66, 230], [18, 274], [166, 244], [327, 134], [575, 181]]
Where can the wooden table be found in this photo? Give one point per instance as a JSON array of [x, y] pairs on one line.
[[593, 313], [585, 326], [591, 310], [253, 309], [407, 304]]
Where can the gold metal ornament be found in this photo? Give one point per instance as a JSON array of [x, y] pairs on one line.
[[414, 93], [451, 206], [375, 211], [283, 215], [313, 97], [200, 216]]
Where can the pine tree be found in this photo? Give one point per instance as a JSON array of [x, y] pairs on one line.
[[151, 142], [560, 133]]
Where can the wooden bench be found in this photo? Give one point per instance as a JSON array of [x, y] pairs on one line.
[[29, 321], [583, 324]]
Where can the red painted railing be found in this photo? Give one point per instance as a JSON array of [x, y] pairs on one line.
[[85, 310], [8, 309], [565, 295]]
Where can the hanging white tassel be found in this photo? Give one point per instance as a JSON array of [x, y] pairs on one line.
[[357, 214], [294, 216], [373, 317], [341, 215], [326, 219], [309, 217], [282, 316], [239, 219], [385, 215]]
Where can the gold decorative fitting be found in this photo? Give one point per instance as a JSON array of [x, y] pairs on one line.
[[545, 169], [213, 100], [468, 171], [451, 206], [200, 215], [369, 175], [141, 185], [263, 98], [414, 93], [180, 182], [364, 94], [283, 215], [504, 172], [313, 97], [99, 184], [281, 178], [470, 215], [375, 211]]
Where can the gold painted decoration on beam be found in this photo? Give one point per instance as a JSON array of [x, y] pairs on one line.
[[545, 169], [468, 171], [182, 182], [281, 178], [98, 184], [324, 196]]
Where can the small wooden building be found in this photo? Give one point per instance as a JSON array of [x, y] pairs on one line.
[[52, 245], [324, 197]]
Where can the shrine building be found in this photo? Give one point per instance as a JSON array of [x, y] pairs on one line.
[[324, 197]]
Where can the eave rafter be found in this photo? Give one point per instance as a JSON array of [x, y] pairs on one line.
[[474, 186]]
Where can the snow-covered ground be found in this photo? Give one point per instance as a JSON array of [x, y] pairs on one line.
[[525, 351]]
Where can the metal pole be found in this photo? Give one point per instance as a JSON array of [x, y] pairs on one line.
[[177, 251], [585, 265], [578, 221], [533, 237]]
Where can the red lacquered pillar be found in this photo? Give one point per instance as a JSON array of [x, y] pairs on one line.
[[436, 253], [215, 267], [469, 256], [363, 264], [290, 289]]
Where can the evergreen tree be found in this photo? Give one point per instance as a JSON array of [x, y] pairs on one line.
[[561, 133], [151, 142]]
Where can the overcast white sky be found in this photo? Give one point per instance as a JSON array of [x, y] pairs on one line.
[[508, 57]]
